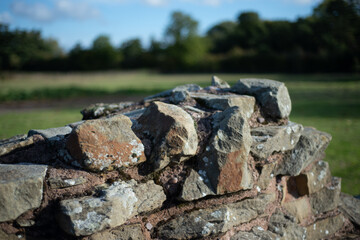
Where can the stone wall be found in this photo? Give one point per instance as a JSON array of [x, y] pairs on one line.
[[218, 162]]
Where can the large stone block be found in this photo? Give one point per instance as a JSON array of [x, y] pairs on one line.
[[21, 189], [105, 144], [272, 96], [285, 227], [206, 222], [325, 228], [51, 134], [172, 131], [327, 198], [270, 139], [310, 147], [317, 176], [115, 205], [350, 206]]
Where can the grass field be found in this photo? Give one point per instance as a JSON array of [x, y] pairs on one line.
[[330, 103]]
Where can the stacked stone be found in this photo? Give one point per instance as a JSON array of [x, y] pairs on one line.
[[218, 162]]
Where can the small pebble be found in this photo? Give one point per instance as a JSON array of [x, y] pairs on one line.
[[260, 120], [149, 226], [173, 180]]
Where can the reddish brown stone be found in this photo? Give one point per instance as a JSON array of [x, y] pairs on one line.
[[105, 144]]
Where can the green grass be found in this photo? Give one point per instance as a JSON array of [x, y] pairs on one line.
[[330, 103]]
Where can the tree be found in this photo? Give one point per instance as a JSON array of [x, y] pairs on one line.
[[132, 52], [222, 36], [103, 54]]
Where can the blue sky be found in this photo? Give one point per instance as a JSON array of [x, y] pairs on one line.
[[73, 21]]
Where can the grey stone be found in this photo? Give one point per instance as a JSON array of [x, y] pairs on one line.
[[310, 147], [103, 109], [21, 189], [194, 187], [15, 143], [325, 228], [327, 198], [65, 183], [115, 205], [285, 226], [126, 232], [256, 234], [318, 176], [267, 174], [25, 223], [221, 102], [350, 207], [194, 109], [270, 139], [52, 134], [135, 114], [15, 138], [206, 222], [75, 124], [224, 163], [272, 96], [105, 144], [217, 82], [175, 137], [300, 208], [168, 93], [179, 96]]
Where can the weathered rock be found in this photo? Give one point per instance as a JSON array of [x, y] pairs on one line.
[[317, 177], [300, 208], [179, 96], [327, 198], [205, 222], [104, 144], [310, 147], [5, 236], [217, 82], [168, 93], [195, 187], [224, 164], [266, 175], [272, 96], [256, 234], [52, 134], [102, 109], [325, 228], [114, 206], [350, 207], [221, 102], [65, 183], [175, 138], [126, 232], [270, 139], [15, 143], [21, 189], [135, 114], [285, 226]]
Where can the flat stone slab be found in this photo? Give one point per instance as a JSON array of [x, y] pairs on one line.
[[327, 198], [105, 144], [350, 206], [325, 228], [285, 227], [272, 96], [21, 189], [15, 143], [168, 93], [206, 222], [51, 133], [221, 102], [115, 205], [270, 139], [127, 232], [318, 176], [103, 109], [255, 234]]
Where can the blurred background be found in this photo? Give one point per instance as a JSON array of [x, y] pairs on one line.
[[58, 56]]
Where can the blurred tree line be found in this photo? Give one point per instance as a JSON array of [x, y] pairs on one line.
[[326, 41]]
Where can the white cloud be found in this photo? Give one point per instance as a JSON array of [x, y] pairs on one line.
[[60, 9], [303, 2], [156, 2], [5, 17]]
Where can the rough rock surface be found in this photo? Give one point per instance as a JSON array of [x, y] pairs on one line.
[[270, 139], [317, 177], [21, 189], [255, 234], [127, 232], [114, 206], [327, 198], [204, 222], [175, 137], [105, 144], [310, 147], [325, 228], [14, 144], [272, 95], [300, 208], [101, 109], [350, 206], [285, 226], [218, 82], [52, 134], [167, 93]]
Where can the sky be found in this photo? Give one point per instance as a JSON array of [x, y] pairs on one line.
[[81, 21]]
